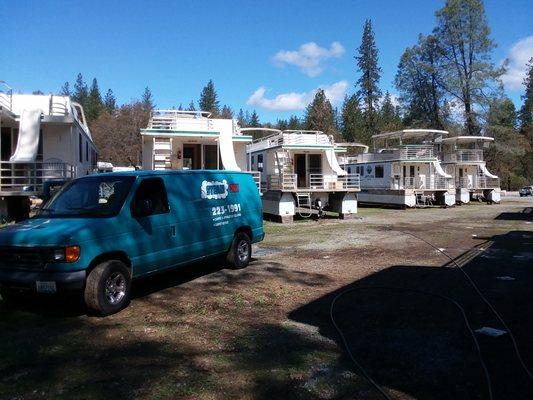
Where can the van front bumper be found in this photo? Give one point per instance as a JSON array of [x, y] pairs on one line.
[[22, 279]]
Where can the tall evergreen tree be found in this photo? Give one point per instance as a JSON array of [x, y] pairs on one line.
[[147, 99], [209, 99], [294, 123], [94, 104], [191, 106], [81, 92], [352, 122], [368, 83], [526, 111], [226, 112], [319, 114], [241, 118], [417, 82], [254, 120], [110, 103], [462, 35], [65, 89], [389, 119]]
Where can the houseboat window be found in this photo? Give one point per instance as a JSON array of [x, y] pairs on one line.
[[98, 196], [5, 144], [39, 146], [152, 192], [412, 170], [80, 148], [379, 171], [86, 151], [260, 162], [210, 156]]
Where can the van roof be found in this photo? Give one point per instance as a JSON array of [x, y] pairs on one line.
[[167, 172]]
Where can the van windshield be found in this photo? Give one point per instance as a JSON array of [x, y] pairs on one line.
[[95, 196]]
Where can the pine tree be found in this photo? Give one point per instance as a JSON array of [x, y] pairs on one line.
[[319, 114], [180, 108], [417, 81], [462, 34], [110, 103], [282, 124], [65, 89], [389, 118], [526, 111], [226, 112], [209, 99], [241, 119], [254, 120], [147, 99], [294, 123], [352, 121], [191, 106], [94, 104], [81, 92], [368, 83]]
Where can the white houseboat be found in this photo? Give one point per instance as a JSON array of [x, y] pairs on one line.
[[403, 170], [176, 139], [43, 137], [300, 172], [462, 157]]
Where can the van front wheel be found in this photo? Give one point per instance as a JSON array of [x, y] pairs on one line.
[[108, 287], [240, 253]]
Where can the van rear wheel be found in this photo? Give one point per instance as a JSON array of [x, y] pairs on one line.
[[108, 287], [240, 252]]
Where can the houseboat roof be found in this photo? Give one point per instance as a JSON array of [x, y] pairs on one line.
[[409, 133], [353, 144], [466, 139]]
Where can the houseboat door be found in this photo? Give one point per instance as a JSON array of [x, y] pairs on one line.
[[301, 169], [315, 168], [192, 156]]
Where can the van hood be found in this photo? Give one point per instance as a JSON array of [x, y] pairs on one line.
[[49, 231]]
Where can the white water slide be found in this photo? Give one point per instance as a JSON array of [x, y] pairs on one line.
[[28, 140], [227, 152], [486, 172], [332, 160]]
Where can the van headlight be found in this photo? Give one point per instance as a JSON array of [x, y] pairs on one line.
[[68, 254]]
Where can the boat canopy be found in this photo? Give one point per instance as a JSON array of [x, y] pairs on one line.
[[409, 133], [465, 139], [354, 144]]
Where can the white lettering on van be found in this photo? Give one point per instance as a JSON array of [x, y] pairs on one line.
[[213, 190]]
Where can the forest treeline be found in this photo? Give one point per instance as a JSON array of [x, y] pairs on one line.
[[446, 80]]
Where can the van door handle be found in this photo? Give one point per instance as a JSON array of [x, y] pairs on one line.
[[173, 230]]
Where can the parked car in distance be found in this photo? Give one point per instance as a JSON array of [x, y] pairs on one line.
[[99, 232], [526, 191]]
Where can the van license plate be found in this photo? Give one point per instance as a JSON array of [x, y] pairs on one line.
[[46, 287]]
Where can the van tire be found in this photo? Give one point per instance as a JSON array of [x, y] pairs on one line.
[[240, 252], [110, 275]]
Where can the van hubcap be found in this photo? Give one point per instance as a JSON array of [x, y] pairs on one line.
[[115, 288], [243, 250]]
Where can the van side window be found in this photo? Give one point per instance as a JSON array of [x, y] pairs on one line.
[[150, 198]]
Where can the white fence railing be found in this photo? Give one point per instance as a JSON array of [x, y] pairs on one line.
[[29, 177], [406, 152], [477, 182], [282, 181], [257, 178], [292, 139], [467, 155], [334, 181], [6, 96], [424, 183]]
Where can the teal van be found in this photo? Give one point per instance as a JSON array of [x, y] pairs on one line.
[[99, 232]]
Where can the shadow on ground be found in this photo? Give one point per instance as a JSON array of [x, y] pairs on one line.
[[525, 215], [417, 344]]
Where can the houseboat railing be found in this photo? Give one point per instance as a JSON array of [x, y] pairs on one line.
[[57, 107], [405, 152], [425, 183], [477, 182], [6, 96], [334, 181], [28, 178], [282, 181], [179, 119], [467, 155]]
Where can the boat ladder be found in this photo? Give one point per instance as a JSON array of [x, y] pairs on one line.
[[303, 202]]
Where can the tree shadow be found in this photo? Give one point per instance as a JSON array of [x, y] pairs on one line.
[[525, 215], [418, 344]]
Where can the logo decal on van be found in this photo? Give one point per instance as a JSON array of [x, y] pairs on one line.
[[212, 190]]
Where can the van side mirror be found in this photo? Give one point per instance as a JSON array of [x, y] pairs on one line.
[[143, 208]]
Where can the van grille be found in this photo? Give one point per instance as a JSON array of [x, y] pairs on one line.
[[26, 258]]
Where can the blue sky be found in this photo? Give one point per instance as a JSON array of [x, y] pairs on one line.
[[252, 50]]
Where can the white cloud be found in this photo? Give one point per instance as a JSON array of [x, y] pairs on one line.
[[294, 101], [519, 56], [309, 57]]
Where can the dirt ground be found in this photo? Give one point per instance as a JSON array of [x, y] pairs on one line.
[[205, 332]]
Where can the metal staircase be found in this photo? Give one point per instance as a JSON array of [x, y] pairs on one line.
[[303, 204], [284, 162]]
